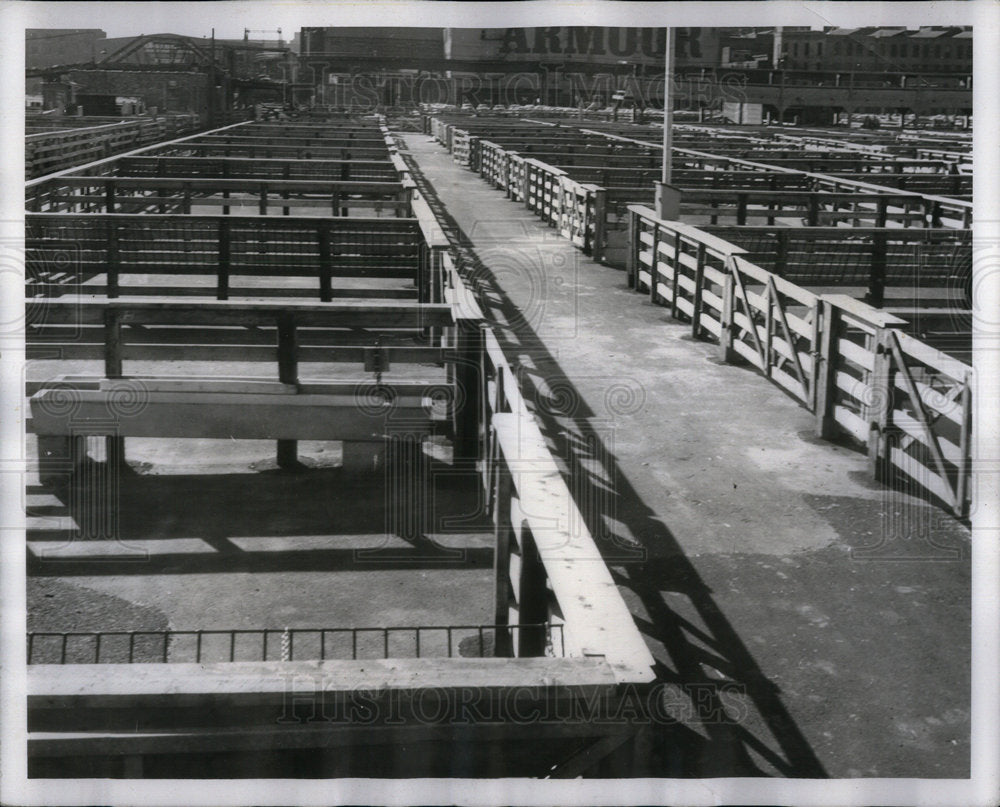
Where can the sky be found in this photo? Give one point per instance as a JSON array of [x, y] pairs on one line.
[[230, 17]]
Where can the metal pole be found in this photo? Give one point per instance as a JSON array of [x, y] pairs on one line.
[[668, 201], [668, 104]]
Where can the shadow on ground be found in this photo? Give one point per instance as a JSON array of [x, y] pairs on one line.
[[343, 521], [710, 735]]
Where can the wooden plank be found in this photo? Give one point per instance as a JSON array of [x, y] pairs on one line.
[[711, 299], [855, 387], [597, 619], [911, 426], [713, 275], [922, 475], [711, 325], [61, 687], [790, 383], [741, 293], [375, 314], [854, 353], [936, 359], [920, 413], [686, 283], [944, 403], [749, 353], [851, 423], [235, 415]]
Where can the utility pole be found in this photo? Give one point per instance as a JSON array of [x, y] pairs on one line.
[[211, 85], [668, 198]]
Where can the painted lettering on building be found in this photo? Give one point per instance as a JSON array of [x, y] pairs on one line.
[[589, 41]]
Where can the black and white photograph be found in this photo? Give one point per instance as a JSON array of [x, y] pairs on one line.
[[500, 403]]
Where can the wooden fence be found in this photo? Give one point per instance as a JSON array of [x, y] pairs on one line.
[[114, 246], [546, 562], [47, 152], [588, 203], [382, 170], [852, 365], [111, 194]]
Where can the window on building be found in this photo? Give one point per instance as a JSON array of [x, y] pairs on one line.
[[937, 51], [836, 49], [805, 49], [819, 48], [892, 50]]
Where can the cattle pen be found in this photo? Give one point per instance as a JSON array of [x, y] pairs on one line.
[[400, 446]]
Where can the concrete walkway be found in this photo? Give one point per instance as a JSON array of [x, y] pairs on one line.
[[806, 622]]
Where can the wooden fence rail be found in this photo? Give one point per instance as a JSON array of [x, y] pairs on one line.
[[115, 245], [251, 151], [122, 194], [382, 170]]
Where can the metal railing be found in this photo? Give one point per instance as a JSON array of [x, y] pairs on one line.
[[281, 644]]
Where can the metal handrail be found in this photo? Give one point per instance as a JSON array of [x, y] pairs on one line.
[[166, 642]]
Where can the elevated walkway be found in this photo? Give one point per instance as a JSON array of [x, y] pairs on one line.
[[769, 577]]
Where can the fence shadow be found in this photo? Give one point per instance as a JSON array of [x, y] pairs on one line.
[[330, 519], [708, 736]]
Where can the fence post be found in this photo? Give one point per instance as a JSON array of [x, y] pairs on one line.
[[882, 211], [114, 444], [675, 279], [222, 292], [225, 193], [726, 316], [423, 281], [781, 253], [532, 600], [435, 275], [600, 221], [114, 263], [961, 508], [814, 353], [286, 173], [876, 281], [632, 255], [325, 264], [469, 380], [654, 270], [288, 373], [826, 368], [109, 193], [699, 282], [112, 344], [161, 171], [880, 406], [813, 217], [503, 646]]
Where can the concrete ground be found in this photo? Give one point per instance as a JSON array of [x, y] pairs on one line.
[[805, 621], [211, 535]]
